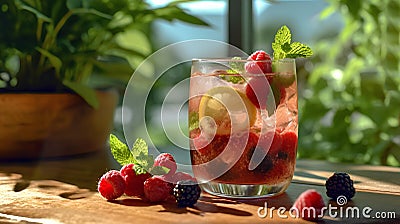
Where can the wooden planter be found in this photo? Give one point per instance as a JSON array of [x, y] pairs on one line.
[[47, 125]]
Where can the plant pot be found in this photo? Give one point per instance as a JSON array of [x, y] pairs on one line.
[[43, 125]]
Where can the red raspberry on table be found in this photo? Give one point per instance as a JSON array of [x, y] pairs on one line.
[[166, 160], [156, 189], [133, 182], [257, 91], [262, 66], [111, 185], [178, 176], [309, 205]]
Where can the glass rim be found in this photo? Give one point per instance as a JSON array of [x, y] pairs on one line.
[[244, 60]]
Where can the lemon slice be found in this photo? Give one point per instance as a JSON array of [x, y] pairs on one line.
[[224, 110]]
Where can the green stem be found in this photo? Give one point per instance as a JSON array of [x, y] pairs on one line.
[[51, 36], [39, 29]]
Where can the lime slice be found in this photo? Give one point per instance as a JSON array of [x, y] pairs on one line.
[[223, 110]]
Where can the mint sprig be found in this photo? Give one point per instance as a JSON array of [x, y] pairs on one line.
[[138, 156], [120, 151], [283, 48]]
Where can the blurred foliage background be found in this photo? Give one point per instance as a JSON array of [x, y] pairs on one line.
[[350, 104]]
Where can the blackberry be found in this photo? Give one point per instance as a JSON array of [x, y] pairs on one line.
[[186, 193], [340, 184], [265, 165]]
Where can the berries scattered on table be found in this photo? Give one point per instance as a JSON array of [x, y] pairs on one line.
[[309, 205], [111, 185], [186, 193], [340, 184], [261, 63], [166, 160], [156, 189], [134, 182]]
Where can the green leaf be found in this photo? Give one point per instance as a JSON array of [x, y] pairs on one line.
[[232, 78], [284, 49], [120, 151], [73, 4], [299, 50], [171, 13], [159, 170], [38, 14], [193, 120], [54, 60], [140, 148], [183, 16], [177, 2], [87, 93], [134, 40], [145, 162], [236, 65], [283, 36]]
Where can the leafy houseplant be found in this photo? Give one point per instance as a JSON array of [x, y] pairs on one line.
[[54, 47]]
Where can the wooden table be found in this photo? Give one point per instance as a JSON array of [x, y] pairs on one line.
[[64, 191]]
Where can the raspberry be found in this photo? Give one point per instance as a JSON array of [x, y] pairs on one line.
[[289, 143], [179, 176], [186, 193], [111, 185], [134, 182], [156, 189], [166, 160], [257, 90], [309, 205], [340, 184], [206, 147], [263, 66], [273, 140]]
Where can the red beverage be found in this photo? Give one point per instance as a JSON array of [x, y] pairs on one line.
[[243, 126]]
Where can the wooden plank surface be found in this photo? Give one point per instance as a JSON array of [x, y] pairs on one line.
[[64, 191]]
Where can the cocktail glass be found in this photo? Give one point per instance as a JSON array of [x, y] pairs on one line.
[[243, 126]]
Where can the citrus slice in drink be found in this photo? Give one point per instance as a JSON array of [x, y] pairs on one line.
[[224, 110]]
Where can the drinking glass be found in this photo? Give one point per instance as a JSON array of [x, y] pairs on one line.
[[243, 126]]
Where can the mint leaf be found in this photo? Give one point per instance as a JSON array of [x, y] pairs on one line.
[[193, 120], [145, 161], [138, 156], [236, 67], [299, 50], [235, 79], [282, 37], [283, 48], [140, 147], [286, 47], [159, 170], [120, 151]]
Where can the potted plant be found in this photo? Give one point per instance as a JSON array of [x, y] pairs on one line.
[[49, 53]]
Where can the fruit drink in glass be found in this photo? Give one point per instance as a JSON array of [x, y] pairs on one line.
[[243, 125]]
